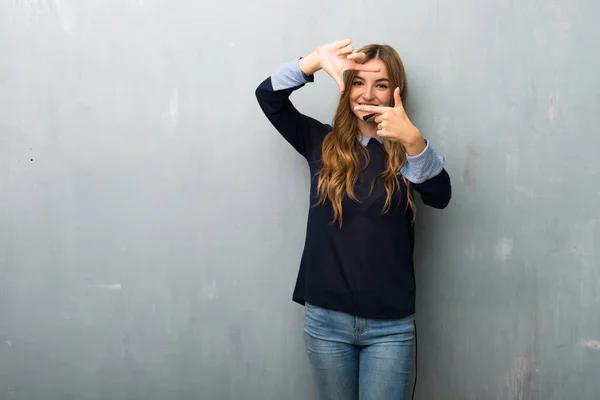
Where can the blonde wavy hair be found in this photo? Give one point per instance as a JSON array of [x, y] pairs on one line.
[[341, 166]]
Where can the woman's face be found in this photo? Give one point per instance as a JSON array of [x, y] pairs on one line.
[[370, 88]]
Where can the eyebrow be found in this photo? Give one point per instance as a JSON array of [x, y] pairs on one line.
[[378, 80]]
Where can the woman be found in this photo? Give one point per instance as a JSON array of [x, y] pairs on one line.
[[356, 277]]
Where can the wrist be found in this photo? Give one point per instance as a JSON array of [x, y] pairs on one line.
[[310, 64], [416, 144]]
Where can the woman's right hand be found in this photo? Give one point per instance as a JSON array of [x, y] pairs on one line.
[[335, 58]]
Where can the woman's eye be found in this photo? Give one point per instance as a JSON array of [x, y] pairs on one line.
[[357, 83]]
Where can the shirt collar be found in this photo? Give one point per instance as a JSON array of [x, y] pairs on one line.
[[365, 139]]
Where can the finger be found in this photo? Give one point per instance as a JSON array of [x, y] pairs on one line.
[[357, 56], [340, 83], [343, 43], [372, 109], [397, 101], [346, 50], [379, 118], [382, 125]]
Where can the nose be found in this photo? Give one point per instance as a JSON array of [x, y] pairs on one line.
[[368, 93]]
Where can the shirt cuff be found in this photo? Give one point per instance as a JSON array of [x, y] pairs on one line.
[[419, 168], [289, 75]]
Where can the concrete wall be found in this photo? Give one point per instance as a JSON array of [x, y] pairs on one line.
[[151, 220]]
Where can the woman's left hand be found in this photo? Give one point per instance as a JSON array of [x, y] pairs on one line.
[[393, 124]]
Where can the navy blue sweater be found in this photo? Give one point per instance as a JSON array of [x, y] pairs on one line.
[[364, 268]]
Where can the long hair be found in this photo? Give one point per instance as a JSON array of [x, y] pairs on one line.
[[341, 166]]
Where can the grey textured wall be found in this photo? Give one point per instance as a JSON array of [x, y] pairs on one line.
[[151, 220]]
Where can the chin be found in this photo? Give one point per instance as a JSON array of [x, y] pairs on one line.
[[359, 114]]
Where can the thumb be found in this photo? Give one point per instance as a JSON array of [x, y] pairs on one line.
[[397, 100], [340, 83]]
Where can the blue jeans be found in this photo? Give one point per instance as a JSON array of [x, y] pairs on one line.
[[353, 357]]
